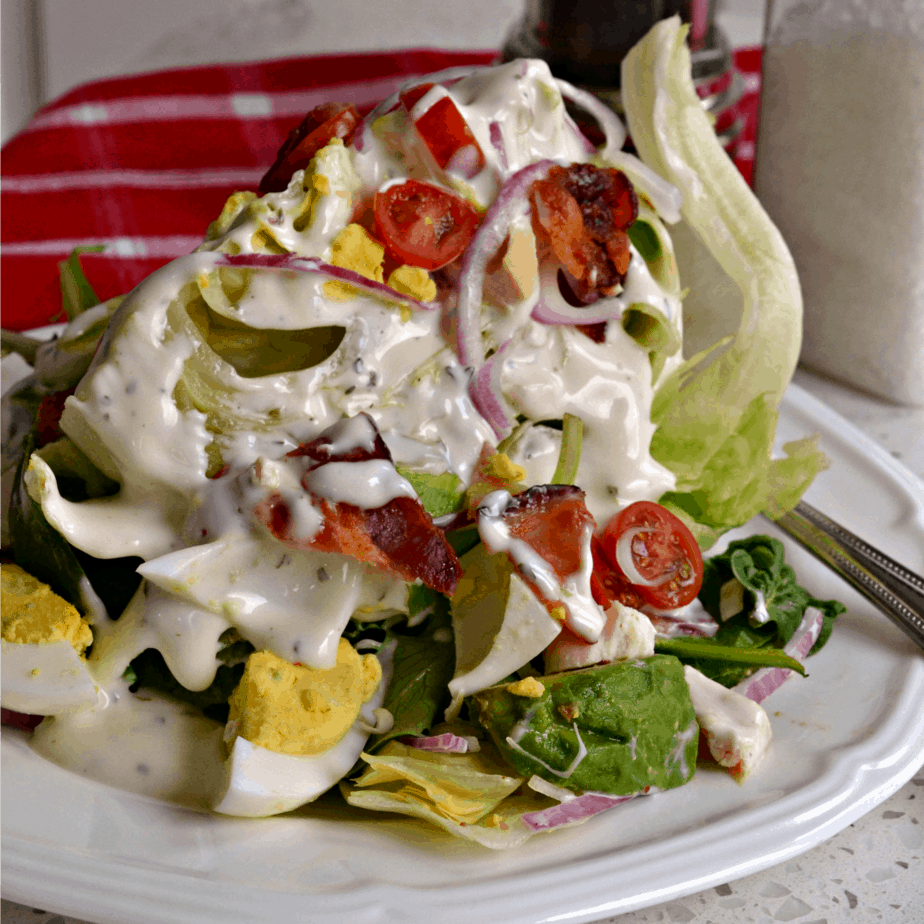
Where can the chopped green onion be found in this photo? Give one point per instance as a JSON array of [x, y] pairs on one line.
[[572, 436]]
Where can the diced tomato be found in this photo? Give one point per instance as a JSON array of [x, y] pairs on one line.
[[399, 537], [411, 97], [444, 131], [48, 419], [19, 720], [662, 550], [317, 129], [422, 224]]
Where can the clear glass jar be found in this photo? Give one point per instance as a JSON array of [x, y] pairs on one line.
[[840, 169]]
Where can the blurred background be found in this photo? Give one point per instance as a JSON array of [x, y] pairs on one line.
[[50, 46]]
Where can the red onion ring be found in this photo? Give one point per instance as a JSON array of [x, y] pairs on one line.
[[553, 308], [447, 743], [768, 680], [497, 142], [613, 129], [486, 395], [512, 202], [293, 262], [578, 809]]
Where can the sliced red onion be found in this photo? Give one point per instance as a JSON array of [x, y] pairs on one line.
[[466, 162], [512, 202], [497, 142], [293, 262], [447, 743], [579, 809], [486, 395], [359, 137], [553, 308], [627, 563], [613, 129], [768, 680], [668, 626]]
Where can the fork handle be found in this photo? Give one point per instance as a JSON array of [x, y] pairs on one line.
[[892, 587]]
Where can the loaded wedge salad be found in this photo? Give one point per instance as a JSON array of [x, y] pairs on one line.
[[400, 480]]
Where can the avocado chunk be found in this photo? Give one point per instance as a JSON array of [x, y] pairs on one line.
[[634, 718]]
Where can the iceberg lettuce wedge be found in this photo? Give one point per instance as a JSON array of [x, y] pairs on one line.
[[716, 414]]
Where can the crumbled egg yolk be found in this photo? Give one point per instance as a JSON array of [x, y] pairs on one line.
[[353, 248], [293, 709], [34, 614], [501, 467], [528, 687], [414, 281]]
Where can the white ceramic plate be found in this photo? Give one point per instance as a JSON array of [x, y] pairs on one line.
[[844, 740]]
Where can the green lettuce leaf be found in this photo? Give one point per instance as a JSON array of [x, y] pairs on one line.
[[440, 494], [77, 294], [716, 414]]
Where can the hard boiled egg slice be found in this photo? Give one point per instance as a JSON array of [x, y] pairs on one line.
[[45, 679], [259, 782]]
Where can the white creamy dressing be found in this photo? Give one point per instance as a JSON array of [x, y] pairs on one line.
[[159, 408], [550, 371], [140, 743]]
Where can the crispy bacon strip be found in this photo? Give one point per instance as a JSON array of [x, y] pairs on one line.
[[399, 537], [584, 212]]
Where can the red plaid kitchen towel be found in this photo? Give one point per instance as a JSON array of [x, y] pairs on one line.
[[140, 165]]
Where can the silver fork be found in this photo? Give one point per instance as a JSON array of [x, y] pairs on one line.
[[892, 587]]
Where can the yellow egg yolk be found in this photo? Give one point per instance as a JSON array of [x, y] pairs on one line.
[[34, 614], [293, 709]]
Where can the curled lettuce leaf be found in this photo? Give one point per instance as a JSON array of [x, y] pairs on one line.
[[716, 414], [473, 795]]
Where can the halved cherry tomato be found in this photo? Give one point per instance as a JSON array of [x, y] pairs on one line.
[[607, 583], [663, 558], [445, 132], [423, 225], [317, 129]]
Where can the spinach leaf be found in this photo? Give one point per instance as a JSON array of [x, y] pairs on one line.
[[711, 650], [39, 548], [42, 551], [463, 540], [422, 666], [756, 599]]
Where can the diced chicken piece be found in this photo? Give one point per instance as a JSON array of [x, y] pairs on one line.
[[737, 729], [627, 634]]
